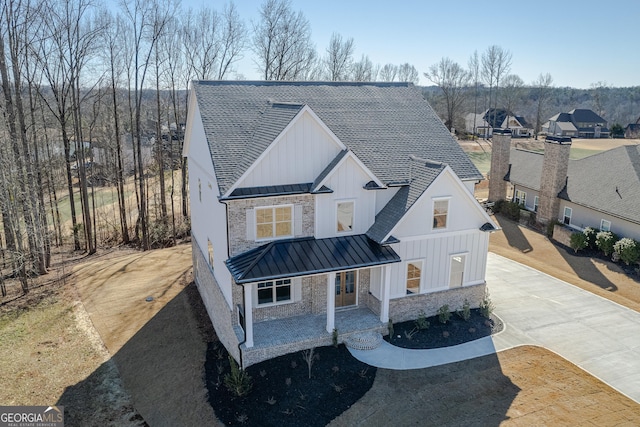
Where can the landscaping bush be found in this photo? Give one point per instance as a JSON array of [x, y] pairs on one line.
[[590, 233], [444, 314], [511, 210], [578, 241], [628, 250], [605, 240]]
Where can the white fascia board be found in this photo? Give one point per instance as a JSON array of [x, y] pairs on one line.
[[298, 116], [190, 115]]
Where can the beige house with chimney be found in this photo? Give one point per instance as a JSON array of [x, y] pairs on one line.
[[601, 191]]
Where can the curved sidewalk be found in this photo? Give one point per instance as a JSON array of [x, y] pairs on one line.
[[597, 335]]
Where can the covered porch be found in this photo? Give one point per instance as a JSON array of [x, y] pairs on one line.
[[277, 337]]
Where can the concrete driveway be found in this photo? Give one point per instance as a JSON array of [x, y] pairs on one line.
[[598, 335]]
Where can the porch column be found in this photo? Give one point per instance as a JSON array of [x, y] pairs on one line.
[[248, 315], [386, 291], [331, 302]]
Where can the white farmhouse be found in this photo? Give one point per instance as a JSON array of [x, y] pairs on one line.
[[322, 208]]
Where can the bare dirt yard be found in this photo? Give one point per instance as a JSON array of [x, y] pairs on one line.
[[93, 343]]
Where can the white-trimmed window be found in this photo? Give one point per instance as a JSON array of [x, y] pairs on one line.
[[440, 214], [456, 275], [605, 225], [520, 197], [274, 222], [414, 276], [344, 216], [210, 250], [536, 201], [567, 215], [274, 291]]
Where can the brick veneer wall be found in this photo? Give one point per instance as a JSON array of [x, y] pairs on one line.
[[237, 217], [553, 178], [408, 308], [217, 308], [500, 153]]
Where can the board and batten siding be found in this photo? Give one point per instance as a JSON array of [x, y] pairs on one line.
[[299, 155], [347, 182], [436, 253], [208, 215]]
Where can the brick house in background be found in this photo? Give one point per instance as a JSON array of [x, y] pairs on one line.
[[601, 191], [322, 206]]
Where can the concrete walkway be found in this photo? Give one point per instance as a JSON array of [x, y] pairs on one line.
[[594, 333]]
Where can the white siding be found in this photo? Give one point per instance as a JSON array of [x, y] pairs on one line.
[[582, 217], [209, 216], [383, 197], [464, 212], [347, 182], [298, 156], [435, 252]]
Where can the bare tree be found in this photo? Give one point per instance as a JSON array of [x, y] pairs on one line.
[[599, 92], [511, 93], [363, 70], [452, 80], [496, 63], [388, 73], [408, 73], [474, 77], [282, 42], [542, 89], [338, 61]]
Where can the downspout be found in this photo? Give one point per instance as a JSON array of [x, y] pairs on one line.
[[237, 284]]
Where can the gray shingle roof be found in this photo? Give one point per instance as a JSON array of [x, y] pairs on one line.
[[423, 174], [608, 182], [382, 123]]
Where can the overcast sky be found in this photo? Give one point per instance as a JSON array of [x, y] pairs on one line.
[[579, 42]]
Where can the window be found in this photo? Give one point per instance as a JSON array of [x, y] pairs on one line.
[[345, 217], [567, 216], [520, 197], [457, 271], [440, 212], [199, 190], [274, 221], [274, 291], [605, 225], [536, 201], [414, 273], [210, 246]]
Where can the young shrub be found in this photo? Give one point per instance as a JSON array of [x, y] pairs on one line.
[[421, 321], [444, 314], [550, 227], [605, 241], [390, 327], [486, 306], [578, 241], [334, 337], [238, 382], [511, 210], [628, 250], [310, 356], [590, 234], [465, 312]]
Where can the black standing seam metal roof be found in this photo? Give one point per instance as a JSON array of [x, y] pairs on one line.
[[305, 256]]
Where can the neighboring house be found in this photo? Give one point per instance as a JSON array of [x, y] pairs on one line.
[[483, 124], [632, 131], [322, 206], [600, 191], [577, 123]]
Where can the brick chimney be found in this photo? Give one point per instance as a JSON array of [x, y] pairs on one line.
[[553, 177], [500, 152]]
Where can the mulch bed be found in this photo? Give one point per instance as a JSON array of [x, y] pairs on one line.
[[455, 331], [282, 393]]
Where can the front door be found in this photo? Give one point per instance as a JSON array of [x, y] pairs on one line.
[[346, 287]]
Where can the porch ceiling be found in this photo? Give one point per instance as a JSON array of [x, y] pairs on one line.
[[305, 256]]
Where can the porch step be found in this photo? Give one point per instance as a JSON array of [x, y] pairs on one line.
[[368, 340]]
